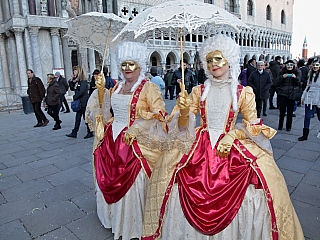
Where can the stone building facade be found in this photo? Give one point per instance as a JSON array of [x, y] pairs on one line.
[[32, 35]]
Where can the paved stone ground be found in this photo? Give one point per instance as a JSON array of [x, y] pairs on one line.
[[46, 184]]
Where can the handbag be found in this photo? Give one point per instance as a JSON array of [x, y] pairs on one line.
[[76, 105], [295, 94]]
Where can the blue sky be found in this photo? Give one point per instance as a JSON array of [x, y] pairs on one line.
[[306, 23]]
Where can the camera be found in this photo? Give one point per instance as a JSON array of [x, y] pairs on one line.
[[289, 75]]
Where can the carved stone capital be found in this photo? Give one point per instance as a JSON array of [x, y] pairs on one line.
[[34, 30], [63, 31], [18, 31], [54, 31], [2, 37]]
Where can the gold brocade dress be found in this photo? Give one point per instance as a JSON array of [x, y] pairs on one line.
[[266, 211], [140, 114]]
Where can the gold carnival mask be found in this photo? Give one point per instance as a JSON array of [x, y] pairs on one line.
[[130, 64], [217, 58]]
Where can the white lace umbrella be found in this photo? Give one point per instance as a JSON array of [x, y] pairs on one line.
[[91, 30], [193, 17], [178, 18]]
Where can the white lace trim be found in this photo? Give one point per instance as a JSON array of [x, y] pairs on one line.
[[133, 87]]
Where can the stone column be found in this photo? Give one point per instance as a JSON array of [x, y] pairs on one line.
[[51, 9], [24, 8], [34, 31], [1, 14], [14, 8], [13, 65], [66, 54], [92, 62], [55, 47], [32, 7], [6, 11], [4, 62], [86, 7], [28, 49], [21, 58]]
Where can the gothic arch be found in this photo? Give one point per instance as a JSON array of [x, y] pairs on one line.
[[268, 13], [158, 56], [283, 17], [250, 8]]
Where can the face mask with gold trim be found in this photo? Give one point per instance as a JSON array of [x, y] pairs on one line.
[[217, 58], [130, 64]]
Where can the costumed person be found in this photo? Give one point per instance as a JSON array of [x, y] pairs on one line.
[[224, 184], [130, 143], [311, 99]]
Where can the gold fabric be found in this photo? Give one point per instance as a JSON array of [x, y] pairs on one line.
[[287, 221]]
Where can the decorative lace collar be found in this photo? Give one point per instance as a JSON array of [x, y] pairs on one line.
[[133, 87], [211, 81]]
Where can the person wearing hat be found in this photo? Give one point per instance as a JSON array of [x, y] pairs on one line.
[[52, 100], [288, 78], [126, 147], [92, 84], [220, 180], [311, 98], [63, 84], [251, 67]]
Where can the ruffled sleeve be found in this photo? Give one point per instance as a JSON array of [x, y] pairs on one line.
[[252, 124], [150, 125], [94, 114]]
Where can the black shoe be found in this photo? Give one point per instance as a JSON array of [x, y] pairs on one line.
[[72, 135], [56, 127], [312, 115], [279, 128], [264, 114], [38, 125], [89, 135], [62, 110], [272, 107], [288, 129], [293, 115], [67, 111], [165, 97]]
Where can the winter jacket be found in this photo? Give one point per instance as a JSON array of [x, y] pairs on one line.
[[274, 67], [285, 85], [250, 69], [63, 84], [36, 90], [260, 83], [189, 80], [80, 89], [53, 94]]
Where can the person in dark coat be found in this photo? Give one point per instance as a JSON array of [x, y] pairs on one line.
[[109, 81], [274, 67], [201, 74], [251, 67], [79, 84], [63, 84], [53, 100], [36, 92], [288, 77], [260, 81], [189, 80], [304, 73]]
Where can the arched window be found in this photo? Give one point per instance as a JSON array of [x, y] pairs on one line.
[[208, 1], [268, 13], [231, 6], [250, 8], [283, 17]]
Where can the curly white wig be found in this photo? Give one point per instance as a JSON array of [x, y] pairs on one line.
[[132, 51], [231, 51]]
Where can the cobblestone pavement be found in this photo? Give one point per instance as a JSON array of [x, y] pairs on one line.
[[46, 184]]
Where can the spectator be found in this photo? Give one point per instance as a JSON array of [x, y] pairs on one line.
[[63, 84], [243, 77], [287, 79], [79, 84], [53, 99], [36, 92], [109, 81], [156, 79], [274, 67], [189, 81], [251, 67], [92, 84], [304, 73], [168, 84], [311, 99], [260, 81], [201, 74]]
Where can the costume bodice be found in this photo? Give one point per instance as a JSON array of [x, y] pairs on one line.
[[120, 105], [218, 105]]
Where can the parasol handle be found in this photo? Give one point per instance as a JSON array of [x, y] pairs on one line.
[[105, 49], [182, 86]]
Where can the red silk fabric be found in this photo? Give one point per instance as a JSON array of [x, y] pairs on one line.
[[116, 166], [211, 188]]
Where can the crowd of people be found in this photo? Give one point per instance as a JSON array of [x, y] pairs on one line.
[[159, 176]]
